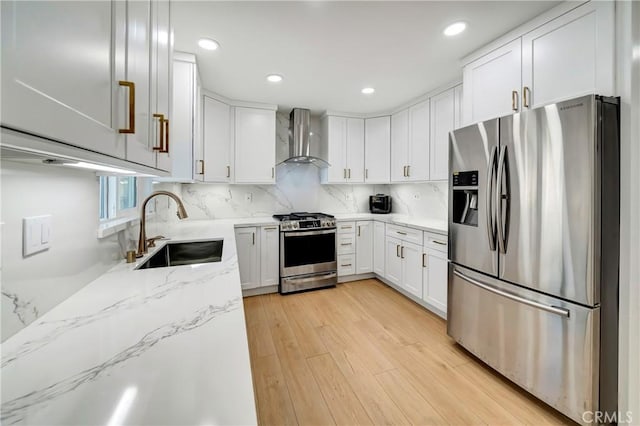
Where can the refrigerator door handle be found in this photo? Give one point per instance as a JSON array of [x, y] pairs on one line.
[[491, 224], [537, 305], [500, 225]]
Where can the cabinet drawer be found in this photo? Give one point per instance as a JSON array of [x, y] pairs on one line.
[[346, 265], [405, 234], [436, 242], [346, 243], [346, 228]]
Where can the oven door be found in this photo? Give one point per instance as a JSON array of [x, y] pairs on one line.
[[307, 252]]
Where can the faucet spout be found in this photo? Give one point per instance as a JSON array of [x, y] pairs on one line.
[[182, 214]]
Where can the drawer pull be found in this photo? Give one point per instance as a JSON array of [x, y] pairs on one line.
[[345, 244], [438, 242], [551, 309], [346, 227], [273, 228], [345, 265], [401, 233]]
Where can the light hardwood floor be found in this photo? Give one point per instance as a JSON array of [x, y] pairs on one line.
[[364, 354]]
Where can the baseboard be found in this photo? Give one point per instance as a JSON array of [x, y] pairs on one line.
[[358, 277], [260, 290]]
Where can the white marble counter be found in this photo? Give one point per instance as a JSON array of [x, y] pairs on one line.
[[155, 346], [421, 223]]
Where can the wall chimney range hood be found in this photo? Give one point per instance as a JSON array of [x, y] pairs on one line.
[[300, 140]]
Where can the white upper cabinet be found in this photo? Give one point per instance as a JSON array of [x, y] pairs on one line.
[[343, 147], [410, 144], [216, 163], [377, 148], [457, 97], [161, 79], [570, 56], [57, 78], [492, 84], [399, 145], [418, 161], [442, 122], [185, 120], [255, 145]]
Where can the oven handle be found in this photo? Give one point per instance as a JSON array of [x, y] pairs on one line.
[[313, 278], [303, 233]]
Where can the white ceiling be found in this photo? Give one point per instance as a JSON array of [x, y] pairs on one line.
[[328, 51]]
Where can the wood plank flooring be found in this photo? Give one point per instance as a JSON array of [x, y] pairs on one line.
[[364, 354]]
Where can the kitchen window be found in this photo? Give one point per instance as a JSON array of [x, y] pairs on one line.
[[118, 196]]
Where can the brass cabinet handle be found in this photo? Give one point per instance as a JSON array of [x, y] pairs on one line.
[[358, 230], [404, 172], [201, 162], [366, 173], [349, 173], [525, 98], [161, 123], [345, 227], [166, 135], [344, 173], [424, 260], [409, 171], [514, 100], [438, 242], [402, 252], [228, 171], [344, 265], [401, 233], [397, 250], [273, 172], [253, 238], [132, 106], [345, 244], [272, 228]]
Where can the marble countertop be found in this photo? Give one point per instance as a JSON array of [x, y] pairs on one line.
[[153, 346], [421, 223]]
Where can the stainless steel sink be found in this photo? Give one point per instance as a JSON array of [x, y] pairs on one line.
[[185, 253]]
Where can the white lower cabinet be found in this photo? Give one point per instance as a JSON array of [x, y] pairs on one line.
[[393, 261], [248, 260], [346, 264], [434, 263], [364, 247], [378, 248], [258, 256], [411, 255], [269, 255]]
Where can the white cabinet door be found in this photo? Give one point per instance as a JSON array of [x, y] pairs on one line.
[[161, 66], [435, 279], [399, 145], [355, 150], [248, 260], [490, 82], [184, 120], [141, 144], [269, 255], [570, 56], [334, 144], [378, 248], [442, 122], [457, 98], [412, 268], [393, 261], [418, 161], [57, 77], [198, 125], [217, 141], [255, 135], [377, 148], [364, 247]]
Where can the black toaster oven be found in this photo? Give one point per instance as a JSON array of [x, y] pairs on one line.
[[380, 203]]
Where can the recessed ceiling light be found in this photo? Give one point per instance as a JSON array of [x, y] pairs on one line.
[[368, 90], [274, 78], [208, 43], [455, 29]]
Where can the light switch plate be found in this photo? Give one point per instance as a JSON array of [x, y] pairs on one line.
[[36, 234]]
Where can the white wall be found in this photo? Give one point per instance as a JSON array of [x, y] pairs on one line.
[[31, 286], [628, 87]]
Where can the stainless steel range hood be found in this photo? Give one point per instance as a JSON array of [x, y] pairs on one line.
[[300, 141]]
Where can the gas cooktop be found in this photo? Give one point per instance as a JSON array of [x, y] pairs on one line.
[[305, 220]]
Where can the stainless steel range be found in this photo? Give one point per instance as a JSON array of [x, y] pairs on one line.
[[307, 251]]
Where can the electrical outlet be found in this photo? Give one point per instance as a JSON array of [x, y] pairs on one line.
[[416, 196], [248, 197]]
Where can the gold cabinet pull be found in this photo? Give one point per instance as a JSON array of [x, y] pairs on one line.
[[201, 162], [166, 135], [525, 98], [228, 171], [514, 100], [409, 171], [253, 238], [161, 121], [273, 172], [402, 252], [397, 250], [349, 175], [132, 106], [404, 171], [358, 230], [366, 173], [344, 173], [424, 260]]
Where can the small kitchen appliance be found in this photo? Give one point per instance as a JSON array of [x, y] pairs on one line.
[[380, 203]]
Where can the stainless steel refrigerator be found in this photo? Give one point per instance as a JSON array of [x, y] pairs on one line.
[[534, 250]]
